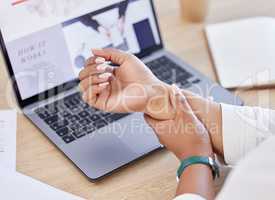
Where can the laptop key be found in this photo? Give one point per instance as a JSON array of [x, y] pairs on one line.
[[183, 77], [52, 109], [187, 85], [63, 131], [99, 123], [65, 113], [184, 84], [75, 110], [104, 114], [115, 117], [83, 114], [68, 139], [75, 126], [89, 129], [95, 117], [73, 118], [84, 122], [42, 113], [59, 125], [196, 81], [79, 133], [52, 119]]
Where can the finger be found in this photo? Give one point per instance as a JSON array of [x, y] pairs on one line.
[[87, 71], [91, 64], [94, 60], [90, 95], [95, 69], [173, 93], [183, 106], [94, 80], [102, 100], [113, 55]]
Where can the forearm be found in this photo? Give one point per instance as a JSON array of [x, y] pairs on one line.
[[197, 179]]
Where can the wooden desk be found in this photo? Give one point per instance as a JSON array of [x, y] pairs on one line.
[[154, 176]]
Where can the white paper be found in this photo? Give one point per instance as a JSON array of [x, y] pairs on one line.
[[17, 186], [243, 51], [8, 139]]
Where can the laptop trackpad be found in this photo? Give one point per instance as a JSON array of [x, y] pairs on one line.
[[137, 135], [113, 146], [100, 154]]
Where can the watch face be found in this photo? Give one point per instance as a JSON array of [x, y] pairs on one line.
[[211, 161]]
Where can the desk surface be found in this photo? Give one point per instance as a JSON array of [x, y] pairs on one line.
[[154, 176]]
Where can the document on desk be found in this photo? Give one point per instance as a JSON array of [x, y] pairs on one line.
[[17, 186], [8, 139]]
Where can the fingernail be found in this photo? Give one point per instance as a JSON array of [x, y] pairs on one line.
[[99, 60], [105, 76], [181, 98], [103, 85], [101, 67], [85, 96]]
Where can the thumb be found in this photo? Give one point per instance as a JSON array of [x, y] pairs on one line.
[[113, 55]]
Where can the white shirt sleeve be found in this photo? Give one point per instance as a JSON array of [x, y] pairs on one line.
[[189, 197], [244, 128]]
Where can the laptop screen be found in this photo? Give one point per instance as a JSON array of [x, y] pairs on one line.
[[48, 41]]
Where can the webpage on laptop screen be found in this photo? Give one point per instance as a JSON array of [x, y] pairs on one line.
[[48, 41]]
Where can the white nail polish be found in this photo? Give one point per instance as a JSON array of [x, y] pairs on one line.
[[103, 85], [105, 76], [99, 60], [101, 67]]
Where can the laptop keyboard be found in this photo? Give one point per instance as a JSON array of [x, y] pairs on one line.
[[71, 118], [168, 71]]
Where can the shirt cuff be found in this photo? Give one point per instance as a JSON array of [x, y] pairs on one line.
[[243, 130], [189, 197]]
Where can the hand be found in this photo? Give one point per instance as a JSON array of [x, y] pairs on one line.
[[185, 135], [131, 87], [210, 114]]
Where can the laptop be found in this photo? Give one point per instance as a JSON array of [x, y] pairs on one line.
[[44, 54]]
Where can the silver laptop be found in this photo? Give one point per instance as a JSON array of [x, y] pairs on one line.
[[44, 54]]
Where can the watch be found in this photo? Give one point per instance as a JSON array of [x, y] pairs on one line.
[[199, 160]]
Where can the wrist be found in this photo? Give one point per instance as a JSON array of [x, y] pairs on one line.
[[202, 150], [195, 153], [158, 103]]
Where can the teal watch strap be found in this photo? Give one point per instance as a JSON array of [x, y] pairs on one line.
[[199, 160]]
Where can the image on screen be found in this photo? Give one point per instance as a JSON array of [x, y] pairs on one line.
[[51, 44]]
